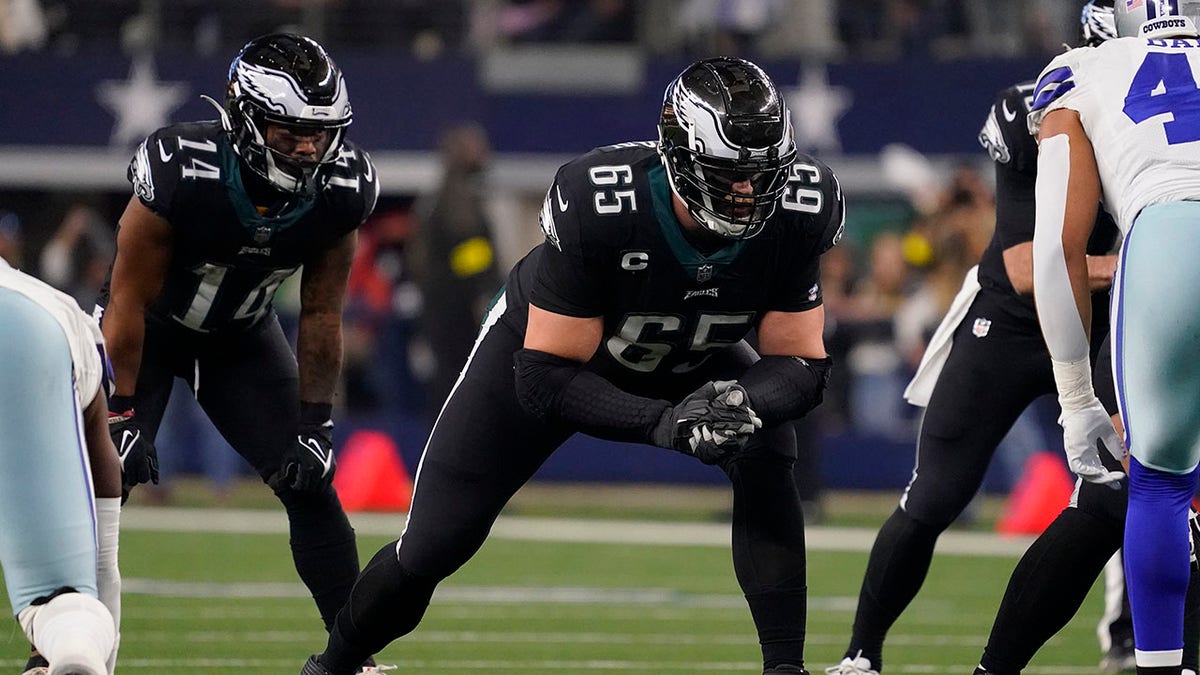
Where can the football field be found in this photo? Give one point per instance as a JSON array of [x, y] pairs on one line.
[[214, 591]]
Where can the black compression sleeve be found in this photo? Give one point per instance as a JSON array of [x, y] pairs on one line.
[[784, 388], [553, 388]]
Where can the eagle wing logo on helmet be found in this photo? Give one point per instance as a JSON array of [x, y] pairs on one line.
[[268, 87]]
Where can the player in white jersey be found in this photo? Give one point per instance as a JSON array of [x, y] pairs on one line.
[[1121, 123], [60, 478]]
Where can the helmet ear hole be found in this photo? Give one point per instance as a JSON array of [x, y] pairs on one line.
[[725, 137]]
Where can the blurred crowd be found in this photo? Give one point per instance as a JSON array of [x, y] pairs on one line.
[[428, 265], [828, 29]]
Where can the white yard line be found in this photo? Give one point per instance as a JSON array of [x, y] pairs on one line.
[[522, 528], [530, 666]]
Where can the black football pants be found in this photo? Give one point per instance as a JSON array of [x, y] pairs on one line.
[[248, 385], [485, 446]]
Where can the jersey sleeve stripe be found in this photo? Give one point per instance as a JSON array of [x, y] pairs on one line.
[[1052, 86]]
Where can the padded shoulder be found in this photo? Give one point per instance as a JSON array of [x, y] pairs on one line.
[[1005, 133]]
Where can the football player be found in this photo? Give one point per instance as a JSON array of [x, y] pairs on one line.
[[222, 213], [627, 323], [57, 465], [974, 387], [1118, 123]]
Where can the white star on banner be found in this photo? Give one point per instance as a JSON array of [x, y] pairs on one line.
[[140, 105], [816, 109]]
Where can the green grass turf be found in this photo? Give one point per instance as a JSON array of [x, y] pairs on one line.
[[531, 607]]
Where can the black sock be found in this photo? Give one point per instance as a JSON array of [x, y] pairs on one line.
[[1191, 624], [1047, 587], [899, 562], [387, 602], [323, 548], [780, 619], [768, 554]]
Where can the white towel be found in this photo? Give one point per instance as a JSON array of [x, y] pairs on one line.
[[921, 387]]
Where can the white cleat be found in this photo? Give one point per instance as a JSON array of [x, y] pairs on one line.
[[852, 666]]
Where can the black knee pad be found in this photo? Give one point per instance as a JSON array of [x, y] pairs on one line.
[[307, 507], [316, 521], [388, 601], [778, 441], [768, 524], [916, 526]]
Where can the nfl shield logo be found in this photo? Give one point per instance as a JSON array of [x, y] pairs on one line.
[[981, 327], [704, 273], [262, 235]]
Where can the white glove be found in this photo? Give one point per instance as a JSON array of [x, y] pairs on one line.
[[1084, 428]]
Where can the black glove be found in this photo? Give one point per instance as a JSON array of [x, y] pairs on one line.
[[139, 459], [308, 463], [709, 423]]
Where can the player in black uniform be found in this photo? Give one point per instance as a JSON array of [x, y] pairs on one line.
[[222, 213], [627, 323], [996, 365]]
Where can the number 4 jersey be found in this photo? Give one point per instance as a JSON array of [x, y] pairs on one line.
[[1140, 106], [614, 249], [229, 257]]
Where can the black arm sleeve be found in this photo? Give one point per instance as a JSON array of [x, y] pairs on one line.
[[784, 388], [553, 388]]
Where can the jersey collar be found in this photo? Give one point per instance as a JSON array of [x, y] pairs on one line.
[[699, 266], [263, 227]]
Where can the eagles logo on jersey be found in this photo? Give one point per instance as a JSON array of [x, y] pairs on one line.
[[1005, 135], [614, 248], [230, 254]]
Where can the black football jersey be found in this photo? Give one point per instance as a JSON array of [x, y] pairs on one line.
[[228, 259], [613, 248], [1014, 152]]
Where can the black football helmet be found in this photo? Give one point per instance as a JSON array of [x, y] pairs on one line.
[[724, 125], [288, 80]]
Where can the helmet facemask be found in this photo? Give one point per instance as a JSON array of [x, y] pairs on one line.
[[282, 170], [726, 142], [729, 197]]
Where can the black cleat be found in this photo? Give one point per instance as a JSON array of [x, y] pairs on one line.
[[785, 669], [313, 666], [36, 665], [1119, 659]]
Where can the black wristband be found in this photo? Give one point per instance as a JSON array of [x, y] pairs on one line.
[[120, 404], [315, 413]]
